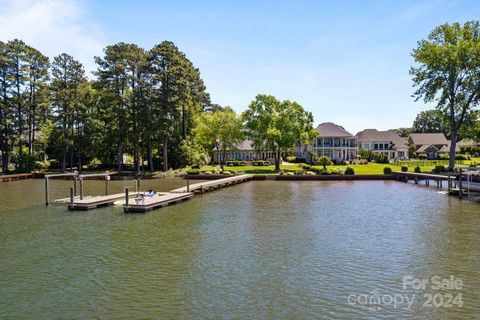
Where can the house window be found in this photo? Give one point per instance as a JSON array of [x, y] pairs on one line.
[[375, 146]]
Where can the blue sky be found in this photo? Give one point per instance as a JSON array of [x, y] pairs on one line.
[[346, 61]]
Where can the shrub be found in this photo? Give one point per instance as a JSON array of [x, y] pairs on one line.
[[193, 171], [306, 166], [473, 165], [461, 157], [289, 173], [422, 156], [261, 163], [230, 163], [239, 163], [418, 170], [349, 171], [324, 171], [404, 168], [208, 172], [439, 169], [444, 156], [310, 173], [227, 173], [387, 170], [291, 159]]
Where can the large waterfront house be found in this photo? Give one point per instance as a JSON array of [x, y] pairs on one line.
[[432, 145], [332, 141], [383, 142], [244, 151]]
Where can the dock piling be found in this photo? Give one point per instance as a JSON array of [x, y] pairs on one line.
[[188, 185], [46, 191], [126, 197], [81, 188], [72, 196]]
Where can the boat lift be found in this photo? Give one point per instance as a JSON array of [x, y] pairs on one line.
[[76, 176]]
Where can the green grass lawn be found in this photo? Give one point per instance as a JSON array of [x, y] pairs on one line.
[[371, 168]]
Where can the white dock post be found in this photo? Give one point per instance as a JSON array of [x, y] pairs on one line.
[[46, 191], [107, 178], [81, 188]]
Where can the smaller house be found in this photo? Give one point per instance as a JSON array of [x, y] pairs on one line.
[[432, 145], [383, 142], [244, 152]]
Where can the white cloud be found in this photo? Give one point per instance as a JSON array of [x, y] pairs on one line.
[[53, 27]]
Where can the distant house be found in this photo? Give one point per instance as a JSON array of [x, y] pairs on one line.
[[244, 151], [383, 142], [432, 145], [332, 141]]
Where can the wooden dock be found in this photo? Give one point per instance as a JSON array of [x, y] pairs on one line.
[[14, 177], [202, 187], [92, 202], [161, 200]]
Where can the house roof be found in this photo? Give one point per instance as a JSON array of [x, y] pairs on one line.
[[425, 147], [328, 129], [419, 139], [373, 135], [467, 143], [245, 145]]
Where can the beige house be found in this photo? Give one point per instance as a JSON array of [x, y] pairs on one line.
[[383, 142], [432, 145], [245, 152], [332, 141]]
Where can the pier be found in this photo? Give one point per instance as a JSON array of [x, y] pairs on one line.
[[93, 202], [161, 199], [202, 187]]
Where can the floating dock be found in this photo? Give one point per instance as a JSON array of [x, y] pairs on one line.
[[212, 185], [92, 202], [161, 199]]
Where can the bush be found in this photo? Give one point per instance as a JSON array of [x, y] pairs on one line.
[[289, 173], [422, 156], [227, 173], [461, 157], [473, 165], [239, 163], [439, 169], [291, 159], [229, 163], [324, 171], [387, 170], [444, 156], [194, 171], [261, 163], [418, 170], [208, 172], [404, 168], [310, 173], [349, 171], [306, 166]]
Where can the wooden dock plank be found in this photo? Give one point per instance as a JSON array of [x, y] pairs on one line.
[[163, 199], [93, 202], [213, 184]]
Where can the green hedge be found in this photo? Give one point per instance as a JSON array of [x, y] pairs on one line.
[[235, 163], [387, 170], [404, 168], [261, 163], [439, 169], [193, 171], [349, 171], [418, 170]]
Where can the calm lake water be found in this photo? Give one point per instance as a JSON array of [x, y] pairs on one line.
[[262, 250]]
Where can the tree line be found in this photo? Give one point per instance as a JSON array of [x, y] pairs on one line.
[[139, 102]]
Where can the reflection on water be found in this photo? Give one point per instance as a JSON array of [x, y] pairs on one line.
[[263, 249]]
